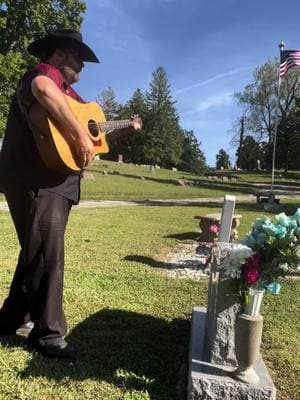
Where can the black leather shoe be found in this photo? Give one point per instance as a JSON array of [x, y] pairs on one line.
[[52, 348]]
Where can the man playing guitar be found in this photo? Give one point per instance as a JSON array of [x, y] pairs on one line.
[[39, 198]]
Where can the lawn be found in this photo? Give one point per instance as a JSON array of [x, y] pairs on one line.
[[129, 321], [114, 181], [108, 180]]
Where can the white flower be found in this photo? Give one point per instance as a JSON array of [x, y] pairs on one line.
[[235, 259]]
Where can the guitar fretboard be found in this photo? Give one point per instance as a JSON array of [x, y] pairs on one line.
[[111, 125]]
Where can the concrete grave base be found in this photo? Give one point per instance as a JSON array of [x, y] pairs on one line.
[[208, 381]]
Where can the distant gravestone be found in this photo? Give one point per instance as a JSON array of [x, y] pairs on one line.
[[258, 165], [120, 158], [179, 182], [87, 175]]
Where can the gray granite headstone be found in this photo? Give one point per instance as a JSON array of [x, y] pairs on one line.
[[222, 308], [212, 359]]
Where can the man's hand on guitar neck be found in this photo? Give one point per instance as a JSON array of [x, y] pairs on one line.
[[136, 122], [136, 125]]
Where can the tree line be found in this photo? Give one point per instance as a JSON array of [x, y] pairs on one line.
[[255, 130], [162, 140]]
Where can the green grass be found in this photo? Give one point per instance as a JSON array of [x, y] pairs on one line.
[[129, 321], [291, 178], [281, 338], [132, 182]]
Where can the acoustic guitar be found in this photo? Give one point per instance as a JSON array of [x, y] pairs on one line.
[[56, 146]]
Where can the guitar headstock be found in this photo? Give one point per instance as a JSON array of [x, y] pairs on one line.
[[137, 122]]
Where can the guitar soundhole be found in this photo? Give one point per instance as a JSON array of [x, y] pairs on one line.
[[93, 128]]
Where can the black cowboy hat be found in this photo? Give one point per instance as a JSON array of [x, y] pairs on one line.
[[62, 38]]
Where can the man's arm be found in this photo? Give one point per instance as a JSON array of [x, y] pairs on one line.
[[53, 100]]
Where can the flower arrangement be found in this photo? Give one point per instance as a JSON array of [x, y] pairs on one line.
[[214, 228], [267, 252]]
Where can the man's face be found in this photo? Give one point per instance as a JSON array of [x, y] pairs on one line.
[[71, 65]]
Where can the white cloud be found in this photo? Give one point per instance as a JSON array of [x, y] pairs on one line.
[[213, 79], [218, 100]]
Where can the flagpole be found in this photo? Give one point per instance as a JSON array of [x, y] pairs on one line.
[[281, 47]]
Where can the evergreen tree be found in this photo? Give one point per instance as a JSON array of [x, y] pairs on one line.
[[20, 23], [163, 137], [250, 154], [192, 158], [109, 104], [288, 142], [130, 145], [222, 160]]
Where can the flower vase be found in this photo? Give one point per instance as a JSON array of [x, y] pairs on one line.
[[248, 333], [253, 302]]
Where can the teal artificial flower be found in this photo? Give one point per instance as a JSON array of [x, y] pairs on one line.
[[282, 219], [260, 238], [296, 216], [249, 240], [281, 231], [277, 230], [259, 222], [292, 224]]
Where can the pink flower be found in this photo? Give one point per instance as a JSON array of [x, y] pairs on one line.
[[251, 276], [214, 228], [251, 269]]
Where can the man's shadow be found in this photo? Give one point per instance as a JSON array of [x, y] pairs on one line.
[[126, 349]]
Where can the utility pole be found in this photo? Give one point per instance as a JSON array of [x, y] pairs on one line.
[[239, 152]]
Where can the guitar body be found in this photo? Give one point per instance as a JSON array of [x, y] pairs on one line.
[[56, 145]]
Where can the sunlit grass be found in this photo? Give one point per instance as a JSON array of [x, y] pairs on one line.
[[128, 320]]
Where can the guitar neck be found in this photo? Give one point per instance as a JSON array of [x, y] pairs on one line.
[[112, 125]]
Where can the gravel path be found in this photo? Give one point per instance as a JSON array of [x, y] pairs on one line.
[[122, 203]]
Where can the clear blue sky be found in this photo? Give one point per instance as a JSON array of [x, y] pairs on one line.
[[209, 50]]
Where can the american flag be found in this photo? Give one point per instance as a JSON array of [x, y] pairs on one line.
[[288, 59]]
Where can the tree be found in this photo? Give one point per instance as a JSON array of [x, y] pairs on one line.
[[22, 21], [288, 141], [192, 158], [163, 137], [130, 145], [109, 104], [250, 153], [222, 160], [259, 100]]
